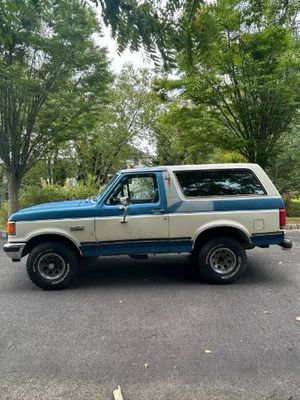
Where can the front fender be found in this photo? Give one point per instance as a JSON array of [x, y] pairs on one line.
[[77, 231]]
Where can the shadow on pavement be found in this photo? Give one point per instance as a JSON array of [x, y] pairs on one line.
[[126, 271], [165, 270], [162, 270]]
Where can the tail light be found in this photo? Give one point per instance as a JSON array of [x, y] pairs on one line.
[[282, 218], [11, 228]]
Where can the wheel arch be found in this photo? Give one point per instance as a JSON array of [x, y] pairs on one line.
[[49, 237], [224, 230]]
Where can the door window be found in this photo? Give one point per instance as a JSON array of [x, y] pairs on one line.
[[138, 189]]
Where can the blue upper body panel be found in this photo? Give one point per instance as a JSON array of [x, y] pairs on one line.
[[57, 210], [89, 208]]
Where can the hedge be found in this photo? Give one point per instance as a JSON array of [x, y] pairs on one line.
[[33, 195], [293, 208]]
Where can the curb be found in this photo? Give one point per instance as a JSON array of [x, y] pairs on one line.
[[292, 226]]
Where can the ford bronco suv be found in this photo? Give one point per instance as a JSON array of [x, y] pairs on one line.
[[215, 212]]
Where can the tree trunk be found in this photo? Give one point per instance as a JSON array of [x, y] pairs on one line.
[[255, 153], [263, 157], [14, 183]]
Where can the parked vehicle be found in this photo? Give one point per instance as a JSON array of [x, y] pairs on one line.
[[215, 212]]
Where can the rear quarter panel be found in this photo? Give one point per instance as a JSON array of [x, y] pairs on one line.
[[252, 215]]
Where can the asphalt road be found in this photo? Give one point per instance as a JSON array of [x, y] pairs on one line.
[[149, 327]]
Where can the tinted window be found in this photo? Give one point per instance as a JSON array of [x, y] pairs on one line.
[[229, 182]]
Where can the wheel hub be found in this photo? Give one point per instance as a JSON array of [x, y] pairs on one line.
[[222, 261], [51, 266]]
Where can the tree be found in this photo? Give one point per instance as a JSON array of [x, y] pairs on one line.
[[122, 127], [51, 75], [285, 171], [104, 151], [186, 133], [245, 69], [240, 57], [148, 24], [182, 135]]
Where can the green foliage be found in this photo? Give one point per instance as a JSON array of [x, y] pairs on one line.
[[3, 215], [186, 133], [285, 171], [183, 136], [55, 168], [148, 24], [7, 16], [32, 195], [52, 79], [292, 208], [245, 70], [225, 156], [237, 99], [109, 144], [121, 127]]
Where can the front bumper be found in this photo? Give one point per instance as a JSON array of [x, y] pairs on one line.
[[14, 250]]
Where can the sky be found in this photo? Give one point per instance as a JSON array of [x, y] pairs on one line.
[[138, 59]]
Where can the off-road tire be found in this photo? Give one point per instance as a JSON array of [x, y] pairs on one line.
[[222, 260], [52, 265]]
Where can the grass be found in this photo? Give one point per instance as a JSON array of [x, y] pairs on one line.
[[293, 220]]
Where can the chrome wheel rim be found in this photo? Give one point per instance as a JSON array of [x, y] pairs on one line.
[[222, 261], [51, 266]]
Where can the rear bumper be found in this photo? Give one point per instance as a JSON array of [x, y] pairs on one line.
[[14, 250], [266, 240], [287, 243]]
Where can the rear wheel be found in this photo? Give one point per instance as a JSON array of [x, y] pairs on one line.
[[52, 265], [222, 260]]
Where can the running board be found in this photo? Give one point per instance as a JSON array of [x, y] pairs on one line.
[[139, 256]]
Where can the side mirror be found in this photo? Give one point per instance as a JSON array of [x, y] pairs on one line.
[[124, 201]]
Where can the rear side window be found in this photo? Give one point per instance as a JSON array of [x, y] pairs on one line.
[[222, 182]]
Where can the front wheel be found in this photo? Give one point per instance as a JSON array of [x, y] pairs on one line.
[[52, 265], [222, 260]]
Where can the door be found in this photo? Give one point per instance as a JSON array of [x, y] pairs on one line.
[[143, 227]]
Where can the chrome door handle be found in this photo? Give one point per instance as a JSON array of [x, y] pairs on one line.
[[76, 228], [158, 211]]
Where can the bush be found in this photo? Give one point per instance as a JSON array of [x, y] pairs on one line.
[[293, 208], [32, 195], [3, 214], [292, 203]]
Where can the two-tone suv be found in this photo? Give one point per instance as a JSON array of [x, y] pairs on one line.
[[215, 212]]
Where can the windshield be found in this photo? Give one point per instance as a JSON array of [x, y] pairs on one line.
[[104, 188]]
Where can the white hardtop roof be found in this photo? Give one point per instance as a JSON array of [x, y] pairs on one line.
[[191, 167]]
